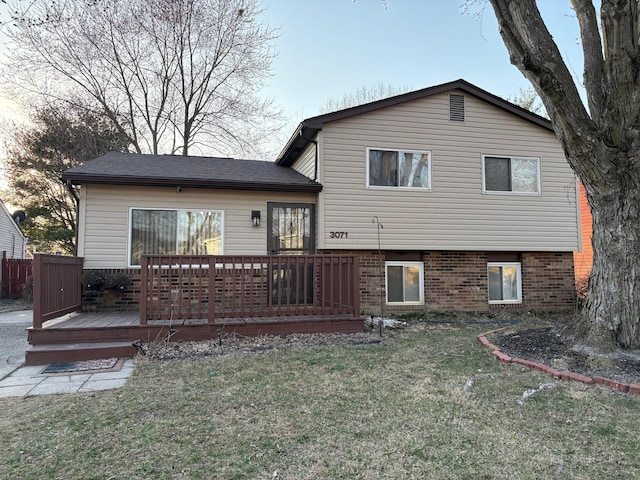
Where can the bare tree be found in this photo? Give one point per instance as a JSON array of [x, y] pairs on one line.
[[174, 76], [363, 95], [601, 142], [528, 98]]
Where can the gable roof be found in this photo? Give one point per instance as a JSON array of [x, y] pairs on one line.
[[10, 221], [308, 128], [189, 171]]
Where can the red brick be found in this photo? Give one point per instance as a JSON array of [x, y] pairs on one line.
[[634, 388], [502, 356], [527, 363], [458, 281], [623, 387]]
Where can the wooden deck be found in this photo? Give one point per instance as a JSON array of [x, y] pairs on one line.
[[93, 335]]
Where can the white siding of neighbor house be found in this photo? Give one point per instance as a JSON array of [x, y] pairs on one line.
[[12, 240], [104, 218], [455, 214], [306, 162]]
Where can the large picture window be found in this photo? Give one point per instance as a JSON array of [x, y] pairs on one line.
[[397, 168], [504, 282], [510, 174], [171, 232], [405, 282]]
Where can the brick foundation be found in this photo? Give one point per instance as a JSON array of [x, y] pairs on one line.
[[452, 281], [458, 281], [106, 300]]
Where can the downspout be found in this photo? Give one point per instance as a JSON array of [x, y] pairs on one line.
[[315, 166], [77, 202]]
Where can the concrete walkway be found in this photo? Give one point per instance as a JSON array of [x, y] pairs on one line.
[[31, 381], [13, 339], [18, 381]]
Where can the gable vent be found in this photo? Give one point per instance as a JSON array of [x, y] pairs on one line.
[[456, 108]]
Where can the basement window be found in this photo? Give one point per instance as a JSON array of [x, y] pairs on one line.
[[505, 282], [405, 283]]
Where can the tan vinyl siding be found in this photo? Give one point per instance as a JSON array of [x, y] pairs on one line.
[[306, 162], [104, 230], [455, 214]]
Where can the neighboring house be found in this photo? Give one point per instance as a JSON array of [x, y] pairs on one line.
[[12, 240], [477, 202], [583, 259]]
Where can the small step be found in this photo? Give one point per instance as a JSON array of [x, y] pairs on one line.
[[71, 352]]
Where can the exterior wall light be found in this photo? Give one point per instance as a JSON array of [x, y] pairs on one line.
[[255, 217]]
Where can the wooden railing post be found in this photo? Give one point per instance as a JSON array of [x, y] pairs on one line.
[[211, 305], [144, 289], [37, 291]]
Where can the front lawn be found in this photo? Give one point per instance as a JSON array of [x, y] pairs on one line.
[[427, 402]]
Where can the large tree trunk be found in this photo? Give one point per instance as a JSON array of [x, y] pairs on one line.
[[602, 144], [612, 308]]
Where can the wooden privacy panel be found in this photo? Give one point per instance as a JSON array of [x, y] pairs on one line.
[[183, 287], [56, 287]]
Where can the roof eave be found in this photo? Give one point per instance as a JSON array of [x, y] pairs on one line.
[[311, 187], [298, 142]]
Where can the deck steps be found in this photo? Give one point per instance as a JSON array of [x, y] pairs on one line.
[[71, 352]]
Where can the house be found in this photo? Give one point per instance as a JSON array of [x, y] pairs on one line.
[[583, 258], [12, 240], [451, 197], [14, 269]]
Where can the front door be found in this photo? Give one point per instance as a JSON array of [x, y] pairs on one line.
[[291, 232], [291, 228]]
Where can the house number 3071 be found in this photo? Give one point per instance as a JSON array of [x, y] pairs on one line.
[[338, 234]]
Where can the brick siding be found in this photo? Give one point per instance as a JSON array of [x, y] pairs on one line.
[[458, 281], [105, 300], [452, 281]]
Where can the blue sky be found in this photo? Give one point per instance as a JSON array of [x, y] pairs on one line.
[[328, 48]]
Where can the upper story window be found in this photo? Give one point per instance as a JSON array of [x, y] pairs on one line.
[[399, 168], [511, 174], [174, 232]]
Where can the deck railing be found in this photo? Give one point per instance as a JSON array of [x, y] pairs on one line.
[[56, 287], [183, 287]]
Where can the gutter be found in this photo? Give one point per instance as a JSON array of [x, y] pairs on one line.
[[76, 199], [315, 165], [193, 183]]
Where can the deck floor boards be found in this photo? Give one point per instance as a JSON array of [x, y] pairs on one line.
[[95, 320]]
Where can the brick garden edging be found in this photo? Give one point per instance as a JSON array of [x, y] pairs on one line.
[[633, 388]]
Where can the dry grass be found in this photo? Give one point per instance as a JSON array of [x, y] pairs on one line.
[[429, 402]]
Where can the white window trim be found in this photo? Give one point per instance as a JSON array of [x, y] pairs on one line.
[[403, 264], [519, 273], [396, 188], [499, 192], [130, 217]]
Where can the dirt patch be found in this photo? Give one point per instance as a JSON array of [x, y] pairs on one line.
[[554, 347], [227, 344]]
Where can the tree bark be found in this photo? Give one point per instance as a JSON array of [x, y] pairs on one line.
[[602, 145]]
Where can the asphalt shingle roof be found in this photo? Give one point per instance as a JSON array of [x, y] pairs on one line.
[[200, 172]]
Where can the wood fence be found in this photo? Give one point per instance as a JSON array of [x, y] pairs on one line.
[[15, 272], [56, 287], [182, 287]]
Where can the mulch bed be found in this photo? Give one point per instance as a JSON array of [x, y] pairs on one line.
[[553, 347]]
